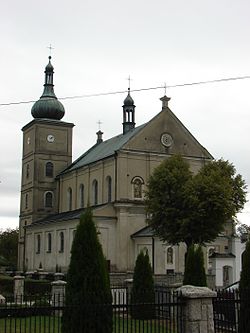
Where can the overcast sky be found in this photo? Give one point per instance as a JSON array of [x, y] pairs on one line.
[[97, 45]]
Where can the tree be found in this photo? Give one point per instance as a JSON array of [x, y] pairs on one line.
[[142, 294], [244, 322], [88, 295], [193, 208], [9, 246], [243, 230]]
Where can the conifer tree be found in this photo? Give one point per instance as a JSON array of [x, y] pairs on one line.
[[244, 322], [194, 269], [142, 295], [88, 296]]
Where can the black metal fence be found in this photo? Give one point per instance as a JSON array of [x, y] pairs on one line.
[[44, 314], [232, 311]]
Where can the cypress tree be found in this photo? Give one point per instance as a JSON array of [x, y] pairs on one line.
[[88, 296], [194, 269], [244, 322], [142, 294]]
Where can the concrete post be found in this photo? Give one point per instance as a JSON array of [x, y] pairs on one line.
[[58, 293], [198, 311], [18, 288]]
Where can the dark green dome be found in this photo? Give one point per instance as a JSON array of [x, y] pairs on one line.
[[48, 105], [128, 101]]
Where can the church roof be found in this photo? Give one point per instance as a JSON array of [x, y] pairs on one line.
[[144, 232], [103, 150]]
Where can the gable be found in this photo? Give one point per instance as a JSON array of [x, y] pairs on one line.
[[148, 139]]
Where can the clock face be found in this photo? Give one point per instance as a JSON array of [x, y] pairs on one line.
[[166, 139], [50, 138]]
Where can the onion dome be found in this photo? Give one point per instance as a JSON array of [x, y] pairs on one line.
[[48, 105], [128, 101]]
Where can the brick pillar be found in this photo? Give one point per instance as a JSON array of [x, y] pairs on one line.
[[18, 288], [198, 311]]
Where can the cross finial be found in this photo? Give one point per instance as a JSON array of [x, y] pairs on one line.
[[165, 88], [129, 82], [99, 124], [50, 49]]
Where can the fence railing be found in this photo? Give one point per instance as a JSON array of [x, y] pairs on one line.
[[33, 314], [232, 311]]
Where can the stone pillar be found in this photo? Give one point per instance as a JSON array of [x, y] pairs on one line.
[[198, 310], [58, 292], [18, 288]]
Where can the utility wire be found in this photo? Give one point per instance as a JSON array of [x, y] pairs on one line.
[[137, 90]]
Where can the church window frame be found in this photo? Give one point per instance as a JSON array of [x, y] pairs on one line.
[[137, 187], [109, 188], [69, 198], [49, 242], [61, 242], [49, 169], [48, 199], [95, 192], [81, 196], [38, 244]]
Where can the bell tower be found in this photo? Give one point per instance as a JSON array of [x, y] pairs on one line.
[[47, 150]]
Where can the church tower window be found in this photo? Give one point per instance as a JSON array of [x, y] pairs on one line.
[[81, 196], [26, 201], [137, 183], [69, 198], [38, 244], [61, 242], [49, 242], [109, 188], [95, 192], [48, 200], [27, 171], [49, 169]]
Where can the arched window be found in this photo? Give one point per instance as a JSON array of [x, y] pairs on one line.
[[137, 183], [81, 196], [38, 244], [95, 192], [48, 200], [170, 255], [61, 242], [69, 198], [26, 201], [49, 242], [109, 188], [49, 169]]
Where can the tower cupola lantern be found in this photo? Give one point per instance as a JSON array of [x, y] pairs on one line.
[[128, 113], [48, 106]]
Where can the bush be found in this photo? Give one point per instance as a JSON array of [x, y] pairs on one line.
[[6, 285], [37, 287], [244, 322], [142, 295], [88, 295]]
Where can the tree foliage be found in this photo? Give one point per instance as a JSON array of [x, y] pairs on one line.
[[9, 246], [142, 294], [88, 295], [193, 208]]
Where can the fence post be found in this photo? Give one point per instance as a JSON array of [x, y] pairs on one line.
[[58, 292], [198, 309], [18, 288]]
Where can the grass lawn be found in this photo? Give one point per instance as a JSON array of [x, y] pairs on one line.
[[46, 324]]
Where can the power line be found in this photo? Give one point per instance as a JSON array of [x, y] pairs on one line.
[[137, 90]]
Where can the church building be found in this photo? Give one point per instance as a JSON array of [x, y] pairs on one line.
[[111, 176]]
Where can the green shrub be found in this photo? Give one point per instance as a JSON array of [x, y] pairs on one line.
[[37, 287], [142, 295], [244, 320], [6, 285], [88, 295]]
